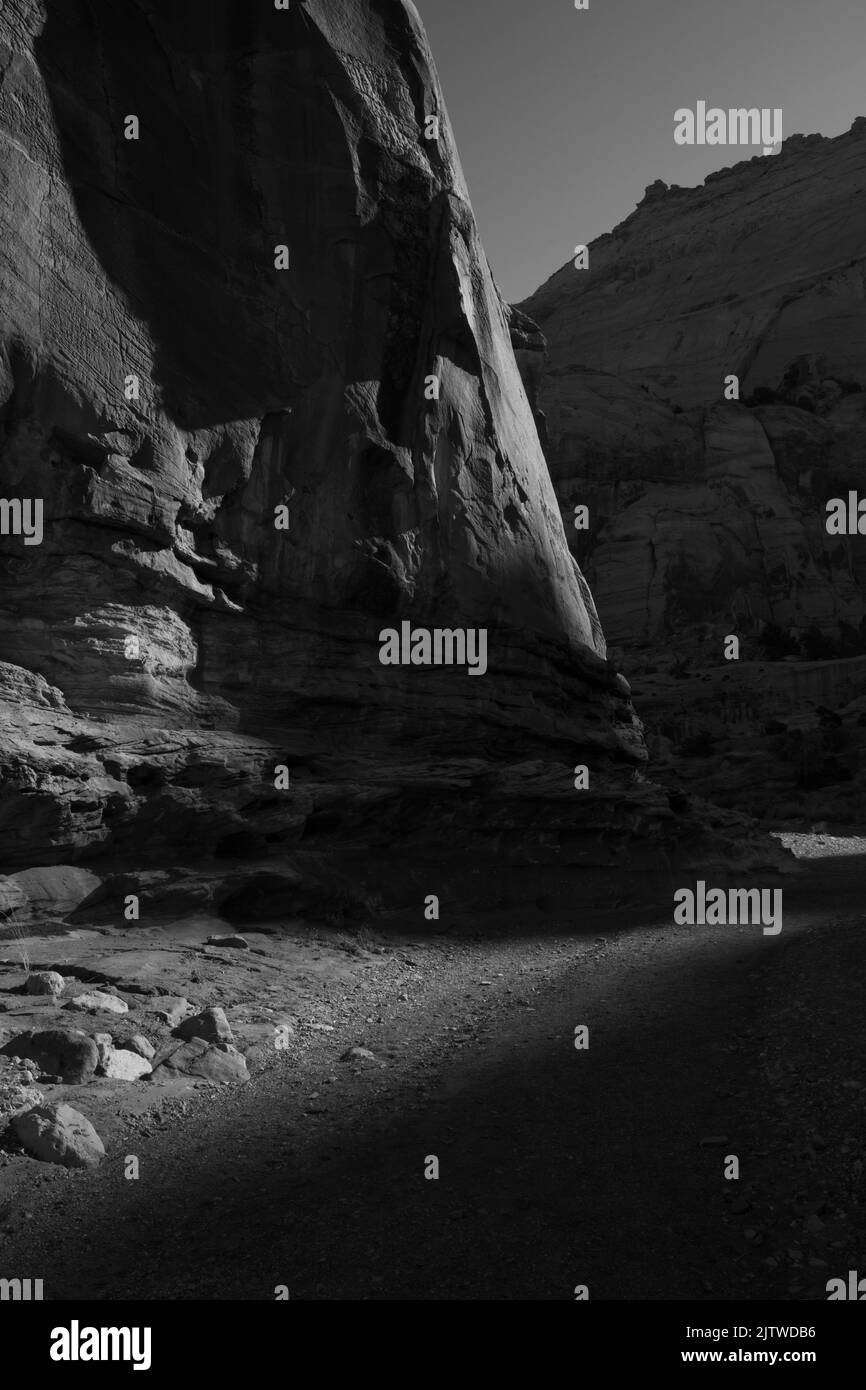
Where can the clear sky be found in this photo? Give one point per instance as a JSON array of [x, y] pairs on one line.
[[562, 117]]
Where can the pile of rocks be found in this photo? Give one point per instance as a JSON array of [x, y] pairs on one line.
[[200, 1045]]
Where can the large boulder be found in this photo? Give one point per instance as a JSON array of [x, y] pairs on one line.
[[59, 1134], [210, 1024], [220, 1063], [64, 1052], [45, 982]]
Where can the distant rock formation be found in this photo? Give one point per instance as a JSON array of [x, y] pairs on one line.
[[707, 512], [253, 365]]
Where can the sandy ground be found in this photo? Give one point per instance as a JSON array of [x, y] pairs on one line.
[[557, 1167]]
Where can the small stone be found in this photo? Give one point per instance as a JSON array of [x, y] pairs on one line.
[[59, 1134], [238, 943], [359, 1054], [104, 1046], [45, 982], [98, 1002], [140, 1044]]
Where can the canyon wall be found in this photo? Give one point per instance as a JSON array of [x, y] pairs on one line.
[[701, 389], [254, 367], [708, 508]]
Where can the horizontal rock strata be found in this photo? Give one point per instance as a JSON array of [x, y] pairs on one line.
[[255, 369]]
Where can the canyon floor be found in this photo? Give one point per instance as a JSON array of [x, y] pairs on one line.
[[558, 1167]]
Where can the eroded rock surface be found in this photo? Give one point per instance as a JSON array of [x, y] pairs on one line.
[[707, 516], [165, 389]]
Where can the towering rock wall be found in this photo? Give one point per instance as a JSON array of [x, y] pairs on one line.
[[707, 496], [255, 371], [708, 514]]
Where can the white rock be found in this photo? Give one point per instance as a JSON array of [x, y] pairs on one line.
[[121, 1065], [98, 1002]]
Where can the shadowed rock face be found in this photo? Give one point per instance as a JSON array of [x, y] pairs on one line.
[[155, 259]]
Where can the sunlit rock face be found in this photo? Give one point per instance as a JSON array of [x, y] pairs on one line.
[[255, 367], [707, 511], [707, 498]]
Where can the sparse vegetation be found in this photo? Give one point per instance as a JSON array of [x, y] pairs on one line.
[[13, 930]]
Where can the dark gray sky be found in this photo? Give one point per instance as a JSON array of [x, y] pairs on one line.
[[562, 117]]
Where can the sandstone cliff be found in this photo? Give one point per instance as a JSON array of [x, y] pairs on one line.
[[707, 514], [706, 508], [165, 388]]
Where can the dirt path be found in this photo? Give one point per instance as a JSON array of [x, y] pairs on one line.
[[558, 1167]]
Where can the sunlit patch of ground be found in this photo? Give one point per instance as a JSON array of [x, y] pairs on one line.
[[821, 846]]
